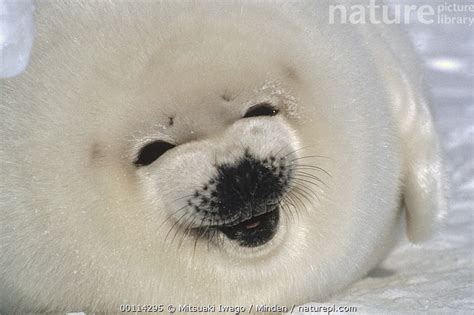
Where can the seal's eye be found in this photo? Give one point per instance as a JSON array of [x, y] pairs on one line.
[[263, 109], [152, 151]]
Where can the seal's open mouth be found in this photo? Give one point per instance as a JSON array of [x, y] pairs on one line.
[[254, 232]]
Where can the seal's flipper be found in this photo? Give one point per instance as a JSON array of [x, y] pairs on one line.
[[423, 181]]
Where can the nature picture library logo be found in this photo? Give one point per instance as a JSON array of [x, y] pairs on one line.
[[377, 12]]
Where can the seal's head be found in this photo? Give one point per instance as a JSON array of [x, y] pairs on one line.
[[235, 183], [215, 157], [226, 154]]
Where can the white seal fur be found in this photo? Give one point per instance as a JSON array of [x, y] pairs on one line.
[[85, 229]]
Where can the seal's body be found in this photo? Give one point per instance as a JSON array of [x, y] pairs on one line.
[[233, 154]]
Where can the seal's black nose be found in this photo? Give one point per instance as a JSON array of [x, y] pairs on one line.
[[249, 187]]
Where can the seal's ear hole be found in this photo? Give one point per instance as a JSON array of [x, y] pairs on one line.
[[152, 151], [263, 109]]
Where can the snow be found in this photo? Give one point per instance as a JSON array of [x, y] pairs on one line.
[[438, 276]]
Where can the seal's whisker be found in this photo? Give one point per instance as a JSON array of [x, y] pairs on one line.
[[172, 214], [308, 174], [183, 189], [297, 199], [211, 238], [295, 209], [309, 157], [279, 151], [287, 211], [282, 207], [175, 224], [294, 151], [198, 237], [186, 232], [181, 198], [307, 181], [208, 232], [310, 167], [287, 200], [307, 190], [177, 230], [302, 193], [311, 177]]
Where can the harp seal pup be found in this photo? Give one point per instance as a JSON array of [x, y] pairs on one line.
[[225, 154]]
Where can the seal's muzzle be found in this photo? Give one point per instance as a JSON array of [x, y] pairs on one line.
[[247, 194]]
